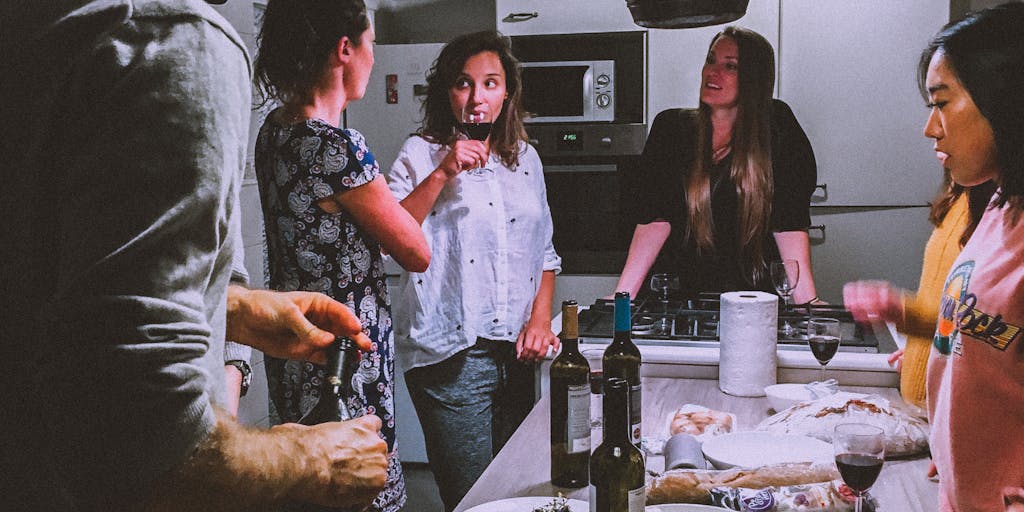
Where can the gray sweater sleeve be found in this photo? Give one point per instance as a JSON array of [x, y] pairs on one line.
[[160, 116]]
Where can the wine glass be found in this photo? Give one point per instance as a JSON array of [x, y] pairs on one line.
[[595, 358], [823, 336], [476, 124], [785, 275], [663, 283], [860, 454]]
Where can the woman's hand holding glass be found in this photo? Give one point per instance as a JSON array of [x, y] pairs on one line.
[[464, 155]]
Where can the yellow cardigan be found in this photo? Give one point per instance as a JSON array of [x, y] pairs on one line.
[[920, 310]]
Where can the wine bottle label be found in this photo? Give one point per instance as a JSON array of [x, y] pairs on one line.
[[637, 499], [635, 409], [577, 423]]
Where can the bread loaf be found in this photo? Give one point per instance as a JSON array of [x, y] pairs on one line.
[[694, 486]]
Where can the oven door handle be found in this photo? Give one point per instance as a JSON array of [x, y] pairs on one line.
[[514, 17], [564, 169]]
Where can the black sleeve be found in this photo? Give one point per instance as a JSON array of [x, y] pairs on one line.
[[667, 154], [795, 172]]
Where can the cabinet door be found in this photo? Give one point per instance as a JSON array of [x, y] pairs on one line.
[[675, 57], [849, 70], [867, 243], [515, 17]]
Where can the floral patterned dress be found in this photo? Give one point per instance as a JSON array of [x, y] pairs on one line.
[[310, 249]]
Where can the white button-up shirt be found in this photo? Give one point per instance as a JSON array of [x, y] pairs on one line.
[[490, 239]]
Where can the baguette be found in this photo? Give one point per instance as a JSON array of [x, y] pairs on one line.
[[694, 485]]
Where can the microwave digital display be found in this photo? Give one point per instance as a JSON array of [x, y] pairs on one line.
[[554, 91], [570, 141]]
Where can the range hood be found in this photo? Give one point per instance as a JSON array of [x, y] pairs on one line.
[[685, 13]]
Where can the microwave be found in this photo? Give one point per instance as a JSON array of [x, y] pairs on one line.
[[578, 91]]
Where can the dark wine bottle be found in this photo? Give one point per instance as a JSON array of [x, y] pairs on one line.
[[616, 466], [342, 360], [570, 406], [622, 360]]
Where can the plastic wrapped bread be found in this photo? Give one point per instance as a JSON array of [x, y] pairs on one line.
[[831, 496], [905, 434], [694, 485]]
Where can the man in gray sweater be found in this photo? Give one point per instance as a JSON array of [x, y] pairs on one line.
[[124, 132]]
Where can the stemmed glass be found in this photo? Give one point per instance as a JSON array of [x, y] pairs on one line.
[[860, 454], [823, 336], [476, 123], [785, 275], [663, 283]]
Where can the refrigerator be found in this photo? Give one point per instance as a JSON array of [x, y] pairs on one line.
[[387, 115]]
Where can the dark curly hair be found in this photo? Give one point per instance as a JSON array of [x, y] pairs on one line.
[[296, 39], [986, 52], [439, 125]]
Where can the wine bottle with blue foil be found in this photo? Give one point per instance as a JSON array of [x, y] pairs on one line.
[[335, 394], [622, 360], [570, 406], [617, 466]]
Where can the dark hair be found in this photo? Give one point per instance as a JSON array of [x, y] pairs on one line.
[[296, 39], [977, 202], [751, 155], [439, 125], [986, 52]]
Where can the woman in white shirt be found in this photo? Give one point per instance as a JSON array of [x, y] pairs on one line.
[[479, 317]]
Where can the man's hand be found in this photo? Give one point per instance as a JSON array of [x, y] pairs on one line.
[[290, 325], [350, 467]]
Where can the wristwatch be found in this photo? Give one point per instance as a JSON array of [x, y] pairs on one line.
[[246, 370]]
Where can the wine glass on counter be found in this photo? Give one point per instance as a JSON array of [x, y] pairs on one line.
[[664, 283], [785, 276], [476, 124], [860, 454], [595, 359], [823, 336]]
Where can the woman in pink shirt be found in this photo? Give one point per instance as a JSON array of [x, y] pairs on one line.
[[973, 76]]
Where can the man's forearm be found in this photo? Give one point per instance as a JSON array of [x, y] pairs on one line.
[[235, 468]]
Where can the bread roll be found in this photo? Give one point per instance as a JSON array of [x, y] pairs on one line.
[[693, 485]]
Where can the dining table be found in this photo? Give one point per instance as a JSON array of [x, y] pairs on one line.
[[522, 467]]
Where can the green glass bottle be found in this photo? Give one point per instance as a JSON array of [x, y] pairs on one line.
[[342, 361], [570, 407], [622, 360], [616, 466]]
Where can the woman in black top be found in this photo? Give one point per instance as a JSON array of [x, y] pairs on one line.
[[745, 201]]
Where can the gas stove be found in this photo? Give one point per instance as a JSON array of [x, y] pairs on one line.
[[694, 323]]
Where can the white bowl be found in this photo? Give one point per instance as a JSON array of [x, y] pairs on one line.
[[784, 396]]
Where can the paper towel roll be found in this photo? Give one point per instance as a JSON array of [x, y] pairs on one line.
[[748, 332]]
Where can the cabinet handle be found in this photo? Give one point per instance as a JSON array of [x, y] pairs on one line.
[[514, 17], [824, 193], [816, 240]]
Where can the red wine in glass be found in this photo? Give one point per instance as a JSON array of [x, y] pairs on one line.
[[824, 348], [859, 471], [477, 131]]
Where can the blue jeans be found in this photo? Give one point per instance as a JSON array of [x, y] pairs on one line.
[[469, 405]]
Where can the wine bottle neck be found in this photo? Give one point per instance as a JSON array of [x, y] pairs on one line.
[[570, 345], [616, 416], [623, 314]]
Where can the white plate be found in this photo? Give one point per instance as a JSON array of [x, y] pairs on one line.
[[527, 504], [756, 449], [683, 507]]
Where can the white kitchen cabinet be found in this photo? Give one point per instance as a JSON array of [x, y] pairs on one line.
[[675, 57], [867, 243], [849, 70], [516, 17]]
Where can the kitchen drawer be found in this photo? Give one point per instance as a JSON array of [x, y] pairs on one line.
[[515, 17]]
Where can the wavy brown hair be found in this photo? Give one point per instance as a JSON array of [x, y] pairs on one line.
[[296, 39], [751, 171], [441, 127]]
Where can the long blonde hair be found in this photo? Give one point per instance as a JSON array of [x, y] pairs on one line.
[[751, 170]]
